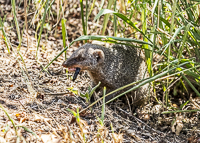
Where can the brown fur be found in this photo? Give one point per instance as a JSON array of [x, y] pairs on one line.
[[113, 67]]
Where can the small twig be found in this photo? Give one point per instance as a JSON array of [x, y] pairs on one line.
[[195, 104], [22, 105], [128, 104], [140, 121], [56, 93]]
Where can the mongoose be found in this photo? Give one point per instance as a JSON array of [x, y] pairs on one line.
[[113, 67]]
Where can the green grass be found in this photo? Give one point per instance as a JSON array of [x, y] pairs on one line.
[[169, 30]]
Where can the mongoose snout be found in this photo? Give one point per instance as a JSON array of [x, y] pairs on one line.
[[72, 69], [114, 67], [84, 59]]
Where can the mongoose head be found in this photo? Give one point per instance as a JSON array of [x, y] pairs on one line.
[[85, 58]]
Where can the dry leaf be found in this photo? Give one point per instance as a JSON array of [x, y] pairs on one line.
[[118, 138], [50, 138], [2, 140], [178, 125], [21, 117]]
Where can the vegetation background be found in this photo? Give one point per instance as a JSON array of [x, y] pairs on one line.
[[37, 36]]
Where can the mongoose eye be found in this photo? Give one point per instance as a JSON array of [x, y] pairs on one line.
[[98, 58], [80, 58]]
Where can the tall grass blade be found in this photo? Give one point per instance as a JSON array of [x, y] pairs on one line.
[[26, 21], [93, 89], [82, 17], [9, 119], [105, 21], [172, 39], [184, 41], [144, 30], [110, 38], [115, 19], [153, 9], [86, 16], [5, 38], [63, 21], [41, 28], [190, 84], [123, 17], [180, 111], [91, 8], [16, 22], [29, 130], [103, 106], [169, 48]]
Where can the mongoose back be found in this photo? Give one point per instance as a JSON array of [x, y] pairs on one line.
[[113, 67]]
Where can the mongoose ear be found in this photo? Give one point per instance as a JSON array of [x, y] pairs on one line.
[[99, 54]]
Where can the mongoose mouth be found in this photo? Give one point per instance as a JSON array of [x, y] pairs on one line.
[[71, 69], [76, 74]]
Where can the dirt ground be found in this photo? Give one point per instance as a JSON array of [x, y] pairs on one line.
[[38, 100]]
